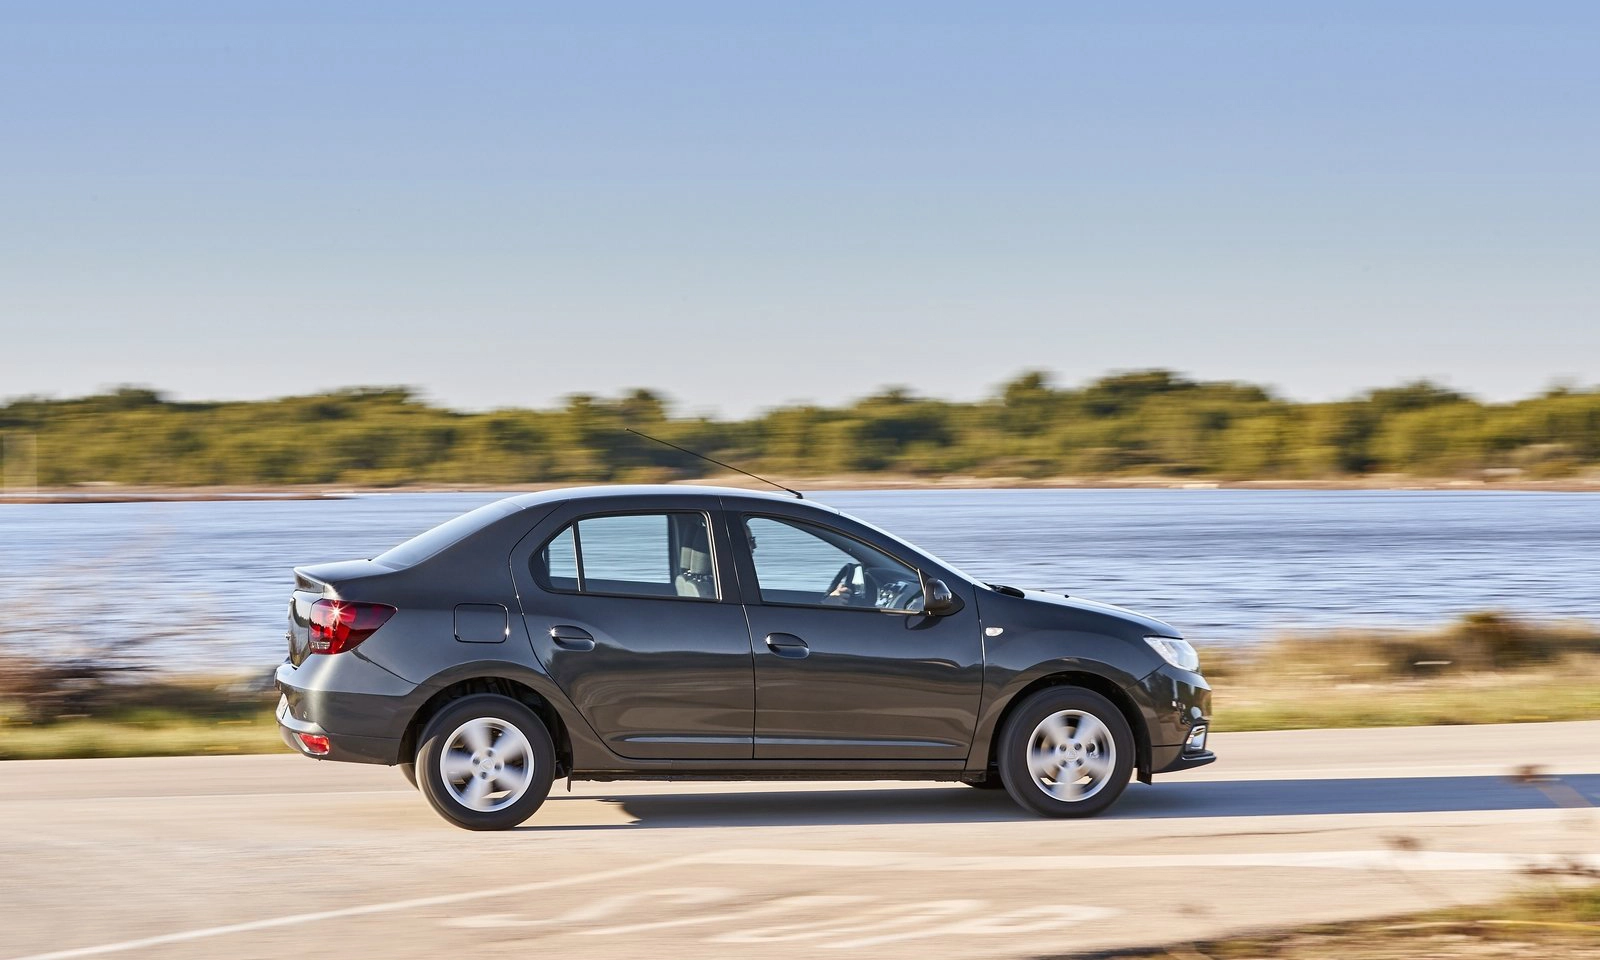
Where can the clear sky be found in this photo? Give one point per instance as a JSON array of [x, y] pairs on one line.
[[746, 204]]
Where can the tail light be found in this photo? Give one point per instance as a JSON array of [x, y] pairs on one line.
[[315, 743], [339, 625]]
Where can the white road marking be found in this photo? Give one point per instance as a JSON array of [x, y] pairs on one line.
[[1398, 860], [825, 920], [364, 910], [1432, 861], [56, 801]]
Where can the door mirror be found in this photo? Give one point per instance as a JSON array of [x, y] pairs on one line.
[[939, 600]]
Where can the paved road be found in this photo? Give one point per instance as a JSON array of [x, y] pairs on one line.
[[243, 857]]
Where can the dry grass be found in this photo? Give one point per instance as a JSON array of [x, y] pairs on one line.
[[58, 710], [1554, 922], [1483, 668], [179, 737]]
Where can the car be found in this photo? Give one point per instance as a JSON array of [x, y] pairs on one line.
[[694, 633]]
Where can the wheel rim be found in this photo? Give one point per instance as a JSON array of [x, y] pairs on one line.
[[486, 764], [1071, 755]]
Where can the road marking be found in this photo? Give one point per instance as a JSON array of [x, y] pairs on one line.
[[832, 922], [296, 919], [210, 796], [1431, 861], [1397, 860]]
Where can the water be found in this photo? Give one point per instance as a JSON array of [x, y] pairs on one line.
[[204, 584]]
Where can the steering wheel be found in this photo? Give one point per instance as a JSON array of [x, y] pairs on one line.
[[846, 577]]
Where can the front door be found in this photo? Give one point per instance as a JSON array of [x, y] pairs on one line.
[[847, 667], [628, 614]]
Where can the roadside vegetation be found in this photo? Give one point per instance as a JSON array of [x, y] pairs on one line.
[[82, 708], [1152, 423], [1484, 668], [1551, 922]]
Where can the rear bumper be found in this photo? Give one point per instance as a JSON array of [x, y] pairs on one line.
[[362, 709], [354, 749]]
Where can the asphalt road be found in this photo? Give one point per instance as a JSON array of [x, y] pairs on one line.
[[242, 857]]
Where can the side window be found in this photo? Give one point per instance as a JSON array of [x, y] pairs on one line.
[[633, 554], [561, 561], [800, 563]]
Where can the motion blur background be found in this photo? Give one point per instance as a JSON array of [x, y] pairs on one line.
[[1280, 322], [288, 283]]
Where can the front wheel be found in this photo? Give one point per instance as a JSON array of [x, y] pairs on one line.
[[486, 762], [1066, 752]]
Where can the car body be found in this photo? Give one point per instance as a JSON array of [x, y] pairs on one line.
[[672, 632]]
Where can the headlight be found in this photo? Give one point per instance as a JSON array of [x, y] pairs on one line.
[[1176, 652]]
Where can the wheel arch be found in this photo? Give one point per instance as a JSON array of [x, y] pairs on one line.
[[1087, 680], [516, 690]]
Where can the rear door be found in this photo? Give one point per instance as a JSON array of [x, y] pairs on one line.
[[847, 666], [633, 613]]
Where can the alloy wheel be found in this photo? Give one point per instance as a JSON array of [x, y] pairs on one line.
[[487, 764], [1071, 755]]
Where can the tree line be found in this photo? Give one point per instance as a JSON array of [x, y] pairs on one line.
[[1140, 423]]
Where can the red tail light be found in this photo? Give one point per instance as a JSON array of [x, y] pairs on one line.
[[315, 743], [339, 625]]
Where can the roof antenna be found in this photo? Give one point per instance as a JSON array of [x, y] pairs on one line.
[[728, 466]]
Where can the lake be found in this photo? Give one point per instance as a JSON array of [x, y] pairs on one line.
[[203, 585]]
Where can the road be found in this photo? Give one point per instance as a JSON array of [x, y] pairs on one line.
[[244, 857]]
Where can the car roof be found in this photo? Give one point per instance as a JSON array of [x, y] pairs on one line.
[[647, 491]]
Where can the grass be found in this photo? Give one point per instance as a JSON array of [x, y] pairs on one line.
[[62, 710], [1483, 668], [1552, 922], [174, 736]]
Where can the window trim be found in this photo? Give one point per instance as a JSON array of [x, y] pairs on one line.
[[922, 576], [542, 581]]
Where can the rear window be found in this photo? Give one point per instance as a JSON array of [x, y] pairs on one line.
[[424, 545]]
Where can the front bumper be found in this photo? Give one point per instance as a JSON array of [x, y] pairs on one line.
[[1181, 703]]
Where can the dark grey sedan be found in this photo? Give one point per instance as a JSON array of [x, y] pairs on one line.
[[610, 633]]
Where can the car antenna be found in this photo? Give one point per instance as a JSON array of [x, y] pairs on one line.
[[797, 494]]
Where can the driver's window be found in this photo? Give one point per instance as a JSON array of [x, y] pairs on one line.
[[804, 564]]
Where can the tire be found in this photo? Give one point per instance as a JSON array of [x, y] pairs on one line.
[[409, 771], [500, 757], [1071, 731]]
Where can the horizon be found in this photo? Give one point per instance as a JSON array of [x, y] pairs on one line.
[[678, 410]]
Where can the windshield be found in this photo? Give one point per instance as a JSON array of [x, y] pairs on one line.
[[911, 548], [426, 544]]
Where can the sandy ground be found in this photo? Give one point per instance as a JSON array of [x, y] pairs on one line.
[[273, 856]]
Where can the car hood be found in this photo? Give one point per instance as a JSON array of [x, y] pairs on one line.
[[1150, 626]]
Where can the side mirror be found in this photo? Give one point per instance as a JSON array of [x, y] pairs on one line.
[[939, 600]]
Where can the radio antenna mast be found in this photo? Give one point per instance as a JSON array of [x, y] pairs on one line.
[[727, 466]]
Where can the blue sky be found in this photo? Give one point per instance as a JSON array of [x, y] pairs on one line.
[[750, 204]]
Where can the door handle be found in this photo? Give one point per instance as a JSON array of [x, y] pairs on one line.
[[788, 645], [568, 637]]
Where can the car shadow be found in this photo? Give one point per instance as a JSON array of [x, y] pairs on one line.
[[1165, 800]]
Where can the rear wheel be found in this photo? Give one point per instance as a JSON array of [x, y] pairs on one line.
[[1066, 752], [486, 762]]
